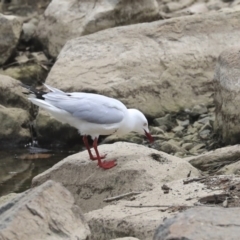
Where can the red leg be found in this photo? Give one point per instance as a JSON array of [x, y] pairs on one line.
[[104, 165], [85, 140]]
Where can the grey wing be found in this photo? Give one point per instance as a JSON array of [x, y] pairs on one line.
[[92, 111]]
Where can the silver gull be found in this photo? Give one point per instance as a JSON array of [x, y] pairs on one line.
[[91, 114]]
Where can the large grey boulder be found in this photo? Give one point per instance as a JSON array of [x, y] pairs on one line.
[[14, 115], [10, 30], [156, 67], [227, 95], [14, 127], [67, 19], [139, 169], [47, 212]]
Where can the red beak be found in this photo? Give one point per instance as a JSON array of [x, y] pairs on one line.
[[149, 136]]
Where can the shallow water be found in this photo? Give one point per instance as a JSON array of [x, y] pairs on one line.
[[19, 166]]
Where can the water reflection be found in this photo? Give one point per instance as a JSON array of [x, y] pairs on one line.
[[19, 166]]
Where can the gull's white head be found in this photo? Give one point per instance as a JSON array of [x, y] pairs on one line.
[[140, 123]]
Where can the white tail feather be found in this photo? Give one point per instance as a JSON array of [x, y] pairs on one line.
[[53, 89], [41, 103]]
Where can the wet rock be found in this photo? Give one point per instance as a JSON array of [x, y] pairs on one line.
[[45, 212], [67, 19], [216, 223], [10, 29], [49, 130], [11, 93], [14, 126], [139, 169], [227, 97], [115, 68], [28, 73]]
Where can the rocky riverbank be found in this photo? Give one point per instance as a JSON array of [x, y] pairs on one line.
[[176, 61]]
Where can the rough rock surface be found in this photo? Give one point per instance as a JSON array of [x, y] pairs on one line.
[[26, 73], [67, 19], [139, 169], [10, 29], [23, 8], [213, 160], [233, 168], [11, 93], [14, 126], [14, 117], [227, 95], [45, 212], [201, 223], [7, 198], [140, 215], [167, 62]]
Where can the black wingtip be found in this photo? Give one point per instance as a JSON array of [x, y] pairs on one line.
[[31, 90]]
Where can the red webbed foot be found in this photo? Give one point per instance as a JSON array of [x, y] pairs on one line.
[[108, 164]]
